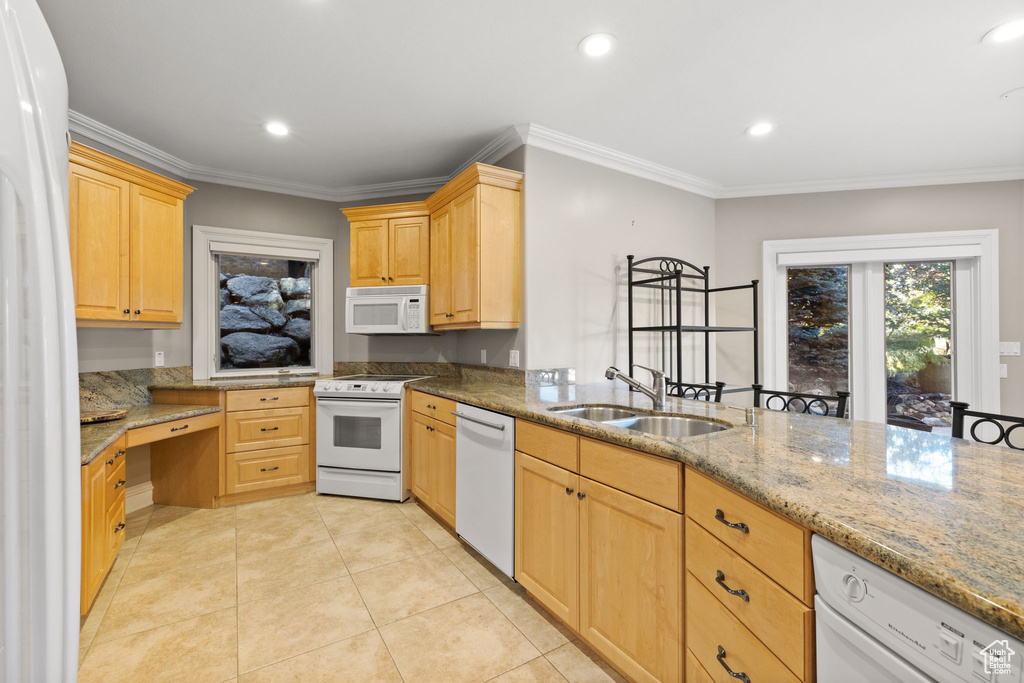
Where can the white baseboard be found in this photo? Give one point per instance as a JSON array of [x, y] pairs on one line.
[[138, 496]]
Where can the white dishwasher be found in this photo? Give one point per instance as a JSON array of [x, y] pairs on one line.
[[485, 483]]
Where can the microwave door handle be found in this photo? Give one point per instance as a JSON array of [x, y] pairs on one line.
[[402, 314]]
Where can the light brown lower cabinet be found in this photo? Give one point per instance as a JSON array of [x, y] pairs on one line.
[[103, 517], [611, 569], [431, 445]]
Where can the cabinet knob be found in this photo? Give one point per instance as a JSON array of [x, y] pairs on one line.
[[119, 484], [581, 495], [127, 311], [110, 462], [569, 490], [383, 278], [137, 311], [390, 278], [118, 527], [119, 453]]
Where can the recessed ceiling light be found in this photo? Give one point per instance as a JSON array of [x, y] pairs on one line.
[[1004, 32], [276, 128], [597, 44], [760, 128]]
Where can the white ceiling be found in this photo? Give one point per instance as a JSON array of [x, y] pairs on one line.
[[872, 92]]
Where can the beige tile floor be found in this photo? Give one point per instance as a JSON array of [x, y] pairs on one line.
[[316, 588]]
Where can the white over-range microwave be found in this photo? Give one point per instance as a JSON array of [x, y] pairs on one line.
[[387, 310]]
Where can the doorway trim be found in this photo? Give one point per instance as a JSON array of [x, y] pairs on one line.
[[977, 293]]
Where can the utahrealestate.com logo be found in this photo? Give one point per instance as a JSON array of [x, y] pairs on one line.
[[997, 658]]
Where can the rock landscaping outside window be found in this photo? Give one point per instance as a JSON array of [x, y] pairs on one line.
[[265, 312]]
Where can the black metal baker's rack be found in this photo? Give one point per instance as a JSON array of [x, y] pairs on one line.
[[672, 277]]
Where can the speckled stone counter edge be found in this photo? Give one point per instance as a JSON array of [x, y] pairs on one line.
[[995, 610], [98, 436]]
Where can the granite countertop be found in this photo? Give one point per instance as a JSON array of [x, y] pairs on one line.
[[945, 514], [239, 384], [99, 435]]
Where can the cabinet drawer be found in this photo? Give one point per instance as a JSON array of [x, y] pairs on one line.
[[115, 482], [695, 673], [646, 476], [114, 530], [710, 626], [267, 468], [773, 544], [783, 623], [262, 399], [551, 445], [113, 457], [258, 429], [434, 406], [164, 430]]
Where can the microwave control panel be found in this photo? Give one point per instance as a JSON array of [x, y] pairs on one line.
[[415, 312]]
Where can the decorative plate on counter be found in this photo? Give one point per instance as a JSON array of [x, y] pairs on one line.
[[102, 415]]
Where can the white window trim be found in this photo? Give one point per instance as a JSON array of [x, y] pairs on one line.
[[978, 363], [206, 285]]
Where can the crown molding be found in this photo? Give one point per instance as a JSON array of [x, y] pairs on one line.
[[876, 182], [511, 139]]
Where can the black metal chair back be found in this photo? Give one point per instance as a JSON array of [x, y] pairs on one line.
[[960, 411], [697, 392], [795, 402]]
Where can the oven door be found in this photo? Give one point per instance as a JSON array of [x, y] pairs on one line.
[[376, 315], [359, 434]]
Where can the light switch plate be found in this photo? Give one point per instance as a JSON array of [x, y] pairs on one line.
[[158, 359], [1002, 371], [513, 358], [1009, 348]]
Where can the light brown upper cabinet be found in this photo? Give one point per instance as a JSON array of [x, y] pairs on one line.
[[389, 245], [126, 242], [476, 250]]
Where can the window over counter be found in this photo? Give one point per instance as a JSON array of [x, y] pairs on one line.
[[261, 303]]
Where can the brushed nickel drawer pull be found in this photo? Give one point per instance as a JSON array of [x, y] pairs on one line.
[[119, 453], [269, 429], [178, 429], [270, 469], [263, 398], [118, 527], [432, 407], [720, 516], [110, 462], [720, 580], [735, 674], [119, 484]]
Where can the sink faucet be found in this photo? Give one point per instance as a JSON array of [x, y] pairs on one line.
[[656, 392]]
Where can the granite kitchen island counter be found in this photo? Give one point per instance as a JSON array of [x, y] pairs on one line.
[[98, 435], [945, 514]]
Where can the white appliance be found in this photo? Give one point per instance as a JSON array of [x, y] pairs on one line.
[[387, 310], [40, 476], [485, 483], [359, 436], [874, 627]]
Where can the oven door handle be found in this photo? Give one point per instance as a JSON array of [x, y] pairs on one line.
[[385, 404]]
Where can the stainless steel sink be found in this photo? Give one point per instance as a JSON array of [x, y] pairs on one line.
[[595, 413], [668, 425]]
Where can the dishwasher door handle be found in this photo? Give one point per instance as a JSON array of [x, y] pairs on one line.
[[492, 425]]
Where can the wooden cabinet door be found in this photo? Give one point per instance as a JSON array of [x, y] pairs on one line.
[[465, 257], [113, 530], [631, 582], [368, 255], [440, 266], [419, 458], [443, 462], [409, 251], [547, 536], [156, 247], [100, 253], [94, 522]]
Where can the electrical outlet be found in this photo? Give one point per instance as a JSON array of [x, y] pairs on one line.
[[1009, 348], [1002, 371], [483, 356], [158, 359], [513, 358]]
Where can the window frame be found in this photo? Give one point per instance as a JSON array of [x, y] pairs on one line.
[[975, 254], [209, 240]]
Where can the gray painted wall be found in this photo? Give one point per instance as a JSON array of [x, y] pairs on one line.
[[743, 224]]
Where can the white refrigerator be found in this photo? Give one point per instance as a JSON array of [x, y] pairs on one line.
[[40, 473]]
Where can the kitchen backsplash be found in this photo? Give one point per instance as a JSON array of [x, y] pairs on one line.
[[123, 388]]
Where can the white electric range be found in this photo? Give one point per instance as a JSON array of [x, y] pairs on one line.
[[359, 436]]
